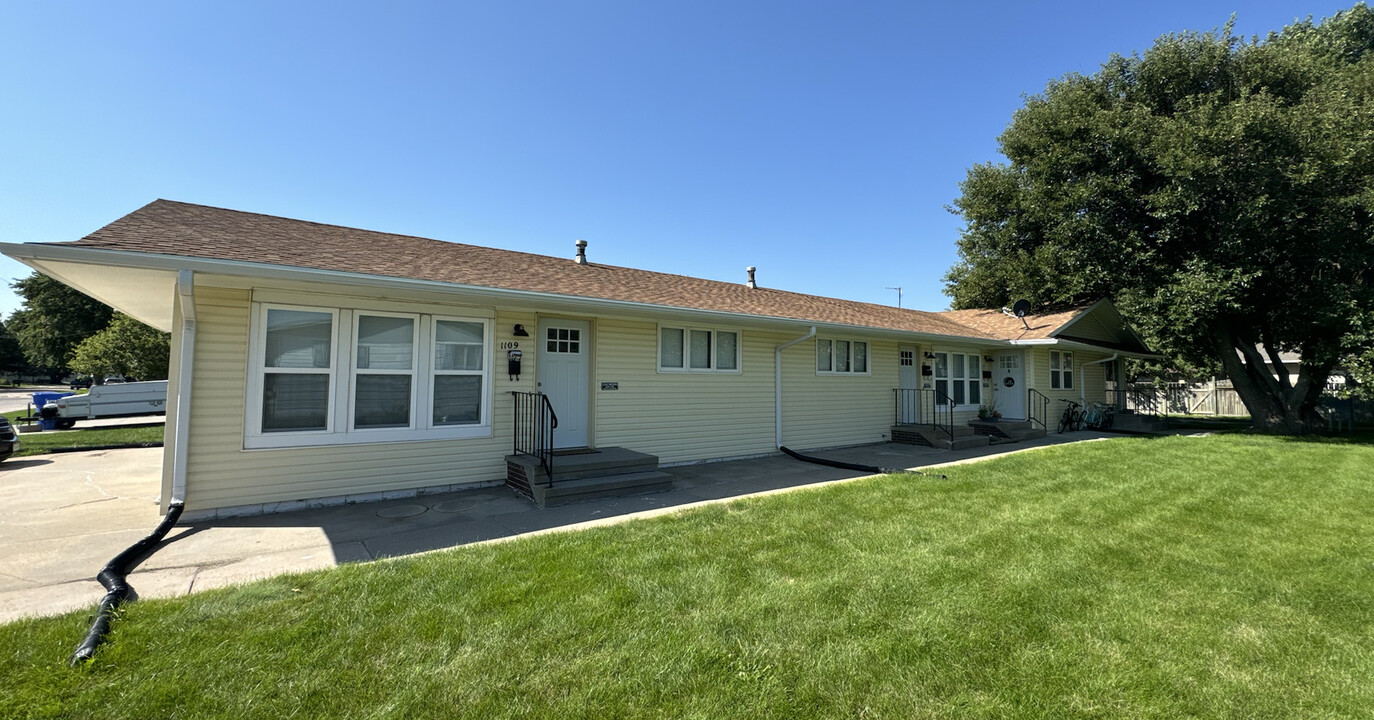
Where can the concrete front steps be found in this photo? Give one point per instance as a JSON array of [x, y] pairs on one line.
[[964, 437], [1004, 431], [977, 433], [604, 472], [1132, 423]]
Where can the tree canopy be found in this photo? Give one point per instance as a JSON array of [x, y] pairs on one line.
[[1220, 190], [125, 347], [52, 321]]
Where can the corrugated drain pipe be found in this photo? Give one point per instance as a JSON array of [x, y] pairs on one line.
[[112, 576], [852, 466]]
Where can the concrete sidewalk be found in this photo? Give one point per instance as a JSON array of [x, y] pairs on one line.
[[64, 516]]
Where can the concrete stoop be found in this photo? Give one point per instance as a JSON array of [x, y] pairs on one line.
[[1007, 430], [1131, 422], [964, 437], [605, 472]]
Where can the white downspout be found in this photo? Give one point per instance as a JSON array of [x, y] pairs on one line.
[[777, 380], [182, 431], [1083, 386]]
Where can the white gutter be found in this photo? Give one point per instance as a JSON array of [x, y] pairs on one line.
[[1039, 342], [182, 432], [1083, 385], [777, 380]]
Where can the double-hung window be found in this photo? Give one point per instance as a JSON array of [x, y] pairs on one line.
[[958, 378], [384, 371], [326, 376], [297, 370], [841, 357], [689, 349], [1061, 370]]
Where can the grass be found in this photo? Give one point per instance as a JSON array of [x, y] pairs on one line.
[[146, 434], [1227, 576]]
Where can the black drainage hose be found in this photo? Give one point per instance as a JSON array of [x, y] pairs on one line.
[[112, 578], [850, 466]]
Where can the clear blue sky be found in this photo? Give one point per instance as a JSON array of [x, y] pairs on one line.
[[818, 141]]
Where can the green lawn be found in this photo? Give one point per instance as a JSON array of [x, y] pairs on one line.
[[1227, 576], [149, 433]]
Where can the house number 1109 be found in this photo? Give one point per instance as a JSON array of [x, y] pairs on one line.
[[510, 345]]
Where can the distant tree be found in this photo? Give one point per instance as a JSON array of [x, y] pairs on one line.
[[52, 321], [12, 360], [126, 347], [1220, 190]]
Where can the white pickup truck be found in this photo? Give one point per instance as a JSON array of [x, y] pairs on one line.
[[113, 400]]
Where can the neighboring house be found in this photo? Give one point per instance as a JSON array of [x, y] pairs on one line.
[[313, 361]]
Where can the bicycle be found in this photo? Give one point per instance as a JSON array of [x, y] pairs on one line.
[[1072, 418], [1098, 416]]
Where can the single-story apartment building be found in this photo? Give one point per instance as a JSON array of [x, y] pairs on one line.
[[313, 363]]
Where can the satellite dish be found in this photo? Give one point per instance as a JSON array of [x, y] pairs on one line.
[[1021, 308]]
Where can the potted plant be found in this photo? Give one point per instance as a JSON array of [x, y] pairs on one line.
[[988, 413]]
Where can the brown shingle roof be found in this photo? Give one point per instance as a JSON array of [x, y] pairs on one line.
[[995, 323], [182, 229]]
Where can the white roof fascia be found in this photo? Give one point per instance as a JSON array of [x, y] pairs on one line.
[[1084, 346], [156, 261]]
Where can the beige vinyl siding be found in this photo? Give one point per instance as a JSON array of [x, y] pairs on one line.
[[681, 416], [1088, 382], [222, 474], [832, 410]]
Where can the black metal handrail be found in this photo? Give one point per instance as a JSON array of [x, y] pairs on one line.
[[535, 422], [1043, 417], [925, 406]]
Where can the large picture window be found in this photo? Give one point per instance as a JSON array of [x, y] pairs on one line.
[[333, 376], [1061, 370], [959, 377], [688, 349], [841, 357]]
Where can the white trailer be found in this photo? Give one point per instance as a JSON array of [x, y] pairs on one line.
[[113, 400]]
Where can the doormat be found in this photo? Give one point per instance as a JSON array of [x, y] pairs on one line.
[[573, 451]]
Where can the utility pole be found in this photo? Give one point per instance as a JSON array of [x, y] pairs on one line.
[[899, 294]]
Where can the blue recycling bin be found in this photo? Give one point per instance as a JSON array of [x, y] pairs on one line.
[[43, 398]]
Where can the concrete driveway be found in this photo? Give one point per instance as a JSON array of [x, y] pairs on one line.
[[63, 516]]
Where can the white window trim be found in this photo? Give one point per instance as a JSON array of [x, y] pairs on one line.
[[413, 373], [340, 430], [687, 345], [868, 365], [976, 377], [1058, 355]]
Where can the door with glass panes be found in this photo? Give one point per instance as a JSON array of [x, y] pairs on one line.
[[565, 377]]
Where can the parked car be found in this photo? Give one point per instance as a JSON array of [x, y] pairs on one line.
[[112, 379], [9, 439], [82, 382]]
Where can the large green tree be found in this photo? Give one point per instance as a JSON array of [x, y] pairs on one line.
[[1221, 190], [52, 321], [125, 347]]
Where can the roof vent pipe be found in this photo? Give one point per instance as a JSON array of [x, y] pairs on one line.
[[750, 270], [581, 258]]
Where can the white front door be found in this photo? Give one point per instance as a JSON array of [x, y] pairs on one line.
[[909, 380], [565, 351], [1009, 386]]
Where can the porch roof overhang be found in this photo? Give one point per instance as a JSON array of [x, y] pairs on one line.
[[143, 285], [1091, 345]]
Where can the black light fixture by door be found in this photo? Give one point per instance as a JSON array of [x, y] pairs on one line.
[[520, 331]]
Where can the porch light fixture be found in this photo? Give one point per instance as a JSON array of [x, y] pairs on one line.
[[987, 358], [929, 355], [520, 331]]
